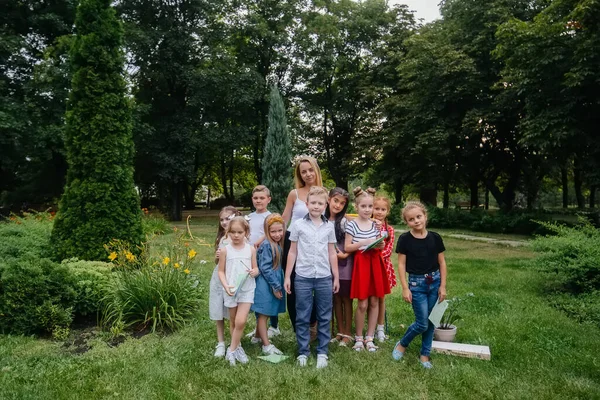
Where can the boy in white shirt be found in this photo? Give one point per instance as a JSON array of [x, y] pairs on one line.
[[313, 251]]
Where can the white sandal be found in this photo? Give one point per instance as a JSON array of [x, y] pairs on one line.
[[359, 343], [370, 345]]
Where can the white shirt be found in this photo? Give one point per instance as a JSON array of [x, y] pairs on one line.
[[312, 257], [257, 225]]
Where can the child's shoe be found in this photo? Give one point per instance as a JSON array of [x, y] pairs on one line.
[[220, 349], [397, 354], [358, 344], [272, 332], [380, 335], [271, 349], [255, 340], [302, 360], [426, 364], [240, 355], [370, 345], [230, 356], [322, 361], [251, 334]]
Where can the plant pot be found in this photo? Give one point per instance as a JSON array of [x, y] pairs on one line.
[[445, 334]]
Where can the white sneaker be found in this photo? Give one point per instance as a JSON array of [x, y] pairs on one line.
[[230, 356], [380, 335], [302, 360], [255, 340], [220, 350], [240, 355], [322, 360], [271, 332], [271, 349], [251, 334]]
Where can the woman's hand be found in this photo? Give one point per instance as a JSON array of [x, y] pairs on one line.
[[441, 294]]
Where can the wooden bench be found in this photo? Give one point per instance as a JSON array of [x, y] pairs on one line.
[[463, 205]]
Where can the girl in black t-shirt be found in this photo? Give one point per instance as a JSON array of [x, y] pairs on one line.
[[421, 254]]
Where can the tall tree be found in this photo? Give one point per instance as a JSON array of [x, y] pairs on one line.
[[100, 202], [277, 156]]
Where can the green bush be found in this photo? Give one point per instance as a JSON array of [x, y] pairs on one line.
[[36, 296], [159, 297], [571, 257], [91, 283], [26, 236], [154, 224]]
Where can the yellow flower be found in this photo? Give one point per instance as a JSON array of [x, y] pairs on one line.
[[192, 253], [176, 265], [129, 256], [112, 256], [166, 260], [187, 271]]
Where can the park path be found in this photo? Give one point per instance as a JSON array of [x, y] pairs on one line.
[[502, 242]]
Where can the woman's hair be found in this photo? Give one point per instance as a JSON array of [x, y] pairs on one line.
[[411, 205], [298, 182], [239, 220], [275, 246], [221, 232], [339, 231], [359, 193], [387, 202]]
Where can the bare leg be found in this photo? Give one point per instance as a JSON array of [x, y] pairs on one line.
[[361, 310], [381, 314], [261, 329], [220, 331], [338, 313], [373, 311], [347, 320], [240, 315]]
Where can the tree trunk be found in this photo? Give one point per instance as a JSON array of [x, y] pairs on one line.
[[487, 199], [208, 199], [564, 175], [578, 183], [189, 195], [232, 198], [398, 187], [474, 189], [446, 194], [428, 196], [224, 177], [176, 195]]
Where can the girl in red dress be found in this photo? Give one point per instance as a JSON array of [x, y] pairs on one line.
[[369, 276]]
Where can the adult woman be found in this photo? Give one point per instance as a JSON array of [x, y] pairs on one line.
[[306, 175]]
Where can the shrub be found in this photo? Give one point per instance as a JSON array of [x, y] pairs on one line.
[[571, 257], [91, 282], [154, 224], [26, 236], [36, 296]]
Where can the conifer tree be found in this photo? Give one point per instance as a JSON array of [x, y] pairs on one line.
[[276, 162], [100, 201]]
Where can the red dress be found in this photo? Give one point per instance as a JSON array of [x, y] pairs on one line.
[[369, 276], [386, 253]]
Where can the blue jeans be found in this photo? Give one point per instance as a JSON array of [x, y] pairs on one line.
[[322, 290], [424, 297]]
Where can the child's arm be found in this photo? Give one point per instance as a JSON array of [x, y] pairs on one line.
[[259, 241], [265, 265], [254, 271], [350, 247], [222, 276], [406, 293], [386, 252], [443, 274], [287, 283], [334, 267]]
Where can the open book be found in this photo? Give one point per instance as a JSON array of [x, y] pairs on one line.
[[375, 243]]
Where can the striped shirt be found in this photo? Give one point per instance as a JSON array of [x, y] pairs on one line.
[[358, 234]]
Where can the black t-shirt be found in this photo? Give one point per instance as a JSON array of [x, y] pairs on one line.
[[421, 254]]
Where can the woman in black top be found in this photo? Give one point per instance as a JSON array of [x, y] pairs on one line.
[[421, 254]]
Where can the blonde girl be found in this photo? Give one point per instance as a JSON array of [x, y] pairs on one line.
[[269, 296], [216, 306], [342, 303], [237, 270], [306, 175], [421, 255], [381, 210], [369, 277]]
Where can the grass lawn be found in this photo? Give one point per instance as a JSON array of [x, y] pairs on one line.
[[537, 352]]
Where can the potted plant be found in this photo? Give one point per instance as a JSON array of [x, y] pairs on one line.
[[446, 332]]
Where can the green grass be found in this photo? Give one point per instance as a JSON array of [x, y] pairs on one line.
[[537, 352]]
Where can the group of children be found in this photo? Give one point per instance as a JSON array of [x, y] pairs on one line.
[[321, 263]]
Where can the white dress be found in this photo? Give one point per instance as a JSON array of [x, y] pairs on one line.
[[216, 296], [237, 265]]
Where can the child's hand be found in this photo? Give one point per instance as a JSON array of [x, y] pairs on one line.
[[254, 272], [278, 294], [441, 294], [287, 285], [407, 295], [336, 285], [378, 223], [228, 290], [342, 256], [381, 245]]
